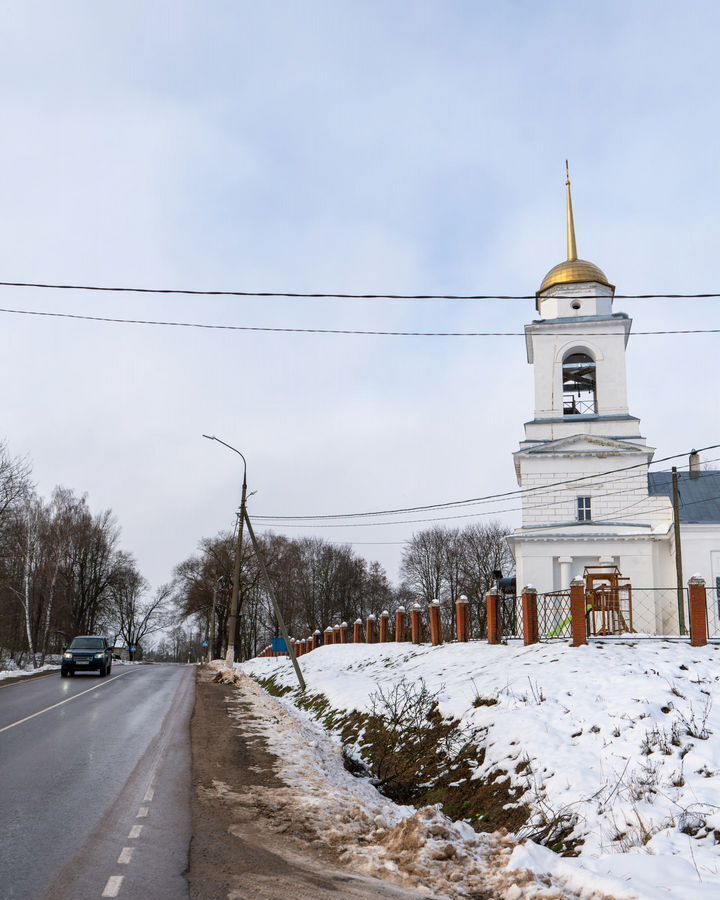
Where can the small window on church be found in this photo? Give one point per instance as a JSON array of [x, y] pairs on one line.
[[579, 397], [583, 506]]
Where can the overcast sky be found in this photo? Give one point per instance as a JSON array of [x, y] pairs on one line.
[[338, 146]]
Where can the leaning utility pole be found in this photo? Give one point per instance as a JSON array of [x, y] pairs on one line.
[[271, 594], [678, 551], [232, 618]]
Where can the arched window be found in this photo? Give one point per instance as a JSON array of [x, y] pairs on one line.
[[579, 386]]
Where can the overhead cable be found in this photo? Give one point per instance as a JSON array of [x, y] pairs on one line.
[[115, 320], [327, 295], [465, 502]]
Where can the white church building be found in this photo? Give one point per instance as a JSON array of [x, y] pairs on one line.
[[606, 507]]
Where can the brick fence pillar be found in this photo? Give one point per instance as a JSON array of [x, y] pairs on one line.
[[357, 631], [384, 626], [370, 630], [698, 611], [344, 633], [531, 632], [578, 612], [435, 624], [307, 643], [462, 608], [317, 634], [416, 623], [336, 634], [400, 624], [494, 630], [329, 636]]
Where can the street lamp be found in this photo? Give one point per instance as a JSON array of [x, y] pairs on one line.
[[245, 518], [232, 618]]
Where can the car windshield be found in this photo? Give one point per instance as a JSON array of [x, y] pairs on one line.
[[87, 643]]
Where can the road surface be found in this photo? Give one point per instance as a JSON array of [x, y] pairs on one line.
[[95, 785]]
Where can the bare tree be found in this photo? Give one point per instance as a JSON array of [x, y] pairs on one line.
[[424, 562], [138, 614]]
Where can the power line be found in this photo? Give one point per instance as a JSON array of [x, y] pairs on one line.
[[208, 326], [495, 512], [114, 289], [466, 502]]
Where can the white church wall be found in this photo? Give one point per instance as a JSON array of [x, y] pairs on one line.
[[621, 497], [700, 551], [607, 349]]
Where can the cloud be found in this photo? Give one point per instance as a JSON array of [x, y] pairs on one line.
[[360, 147]]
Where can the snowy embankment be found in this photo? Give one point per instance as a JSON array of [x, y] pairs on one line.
[[21, 673], [616, 744]]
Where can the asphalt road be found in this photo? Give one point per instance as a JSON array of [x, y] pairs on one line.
[[95, 785]]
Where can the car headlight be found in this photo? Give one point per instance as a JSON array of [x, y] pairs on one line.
[[99, 655], [67, 655]]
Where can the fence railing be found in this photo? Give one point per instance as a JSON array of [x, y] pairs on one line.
[[578, 614]]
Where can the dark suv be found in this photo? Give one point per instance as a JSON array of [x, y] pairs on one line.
[[87, 653]]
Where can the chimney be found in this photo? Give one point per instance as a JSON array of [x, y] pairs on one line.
[[694, 464]]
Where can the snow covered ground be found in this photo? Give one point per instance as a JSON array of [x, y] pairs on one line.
[[621, 738], [19, 673]]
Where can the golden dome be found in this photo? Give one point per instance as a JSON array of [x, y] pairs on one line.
[[573, 271]]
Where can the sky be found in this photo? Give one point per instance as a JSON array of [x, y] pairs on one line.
[[409, 147]]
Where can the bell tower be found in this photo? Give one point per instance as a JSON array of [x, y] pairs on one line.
[[577, 349], [583, 462]]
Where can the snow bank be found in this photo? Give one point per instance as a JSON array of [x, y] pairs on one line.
[[373, 836], [621, 739], [21, 673]]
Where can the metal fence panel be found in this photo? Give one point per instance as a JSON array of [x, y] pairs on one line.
[[554, 615], [713, 609]]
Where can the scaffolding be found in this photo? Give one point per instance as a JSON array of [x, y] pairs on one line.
[[608, 598]]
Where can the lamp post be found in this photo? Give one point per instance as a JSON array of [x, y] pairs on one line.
[[232, 618], [245, 518]]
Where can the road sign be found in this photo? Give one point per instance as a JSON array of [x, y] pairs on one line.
[[279, 645], [132, 648], [205, 644]]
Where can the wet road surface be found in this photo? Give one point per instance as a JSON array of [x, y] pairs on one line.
[[95, 784]]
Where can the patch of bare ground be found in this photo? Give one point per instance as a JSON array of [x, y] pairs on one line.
[[246, 842]]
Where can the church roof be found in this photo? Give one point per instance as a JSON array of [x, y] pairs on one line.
[[699, 496], [572, 270]]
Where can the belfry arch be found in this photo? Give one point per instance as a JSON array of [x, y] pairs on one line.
[[579, 384]]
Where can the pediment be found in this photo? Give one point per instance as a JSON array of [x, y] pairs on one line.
[[587, 444]]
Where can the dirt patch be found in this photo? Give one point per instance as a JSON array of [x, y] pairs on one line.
[[245, 845]]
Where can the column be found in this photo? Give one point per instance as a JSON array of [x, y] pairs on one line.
[[565, 569]]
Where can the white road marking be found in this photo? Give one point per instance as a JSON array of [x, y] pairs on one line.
[[21, 680], [149, 794], [112, 888], [142, 812], [135, 832], [55, 706], [125, 857]]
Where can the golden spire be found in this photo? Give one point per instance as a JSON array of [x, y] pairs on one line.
[[571, 246]]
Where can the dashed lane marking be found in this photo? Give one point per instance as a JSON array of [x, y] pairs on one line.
[[62, 702], [112, 888], [142, 812], [149, 794], [135, 832], [125, 857]]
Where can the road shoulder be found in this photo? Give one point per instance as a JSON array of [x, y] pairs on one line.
[[243, 847]]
